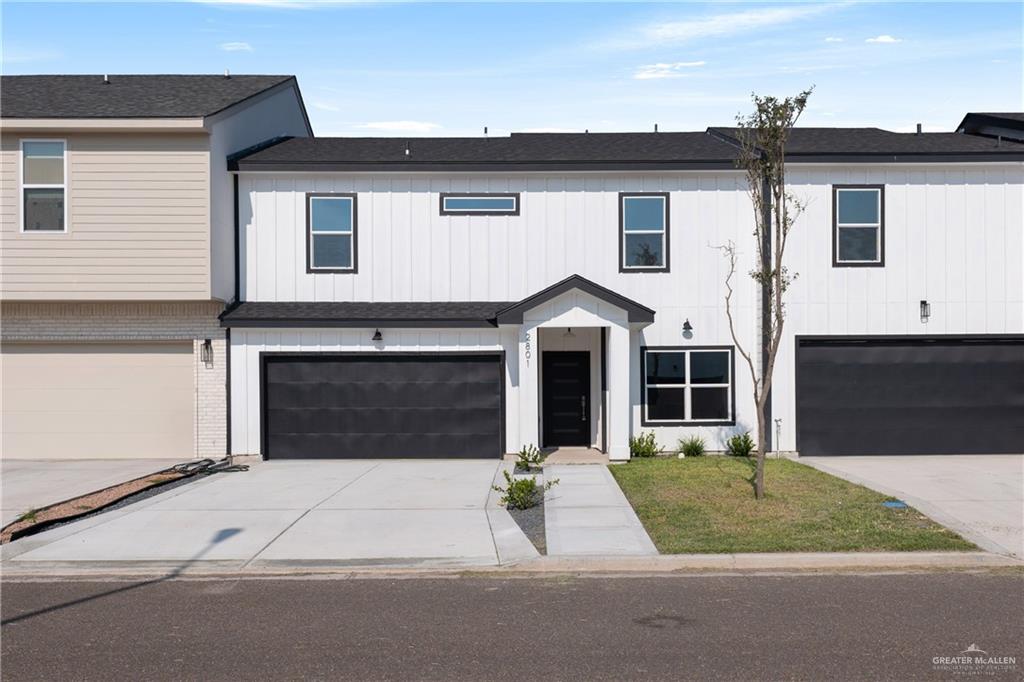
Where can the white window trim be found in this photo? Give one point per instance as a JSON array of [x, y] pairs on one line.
[[688, 387], [663, 232], [876, 225], [350, 233], [22, 186]]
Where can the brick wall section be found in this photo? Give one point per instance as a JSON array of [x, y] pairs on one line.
[[69, 322]]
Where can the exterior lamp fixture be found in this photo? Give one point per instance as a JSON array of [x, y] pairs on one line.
[[206, 352], [687, 327], [568, 333], [377, 336], [926, 310]]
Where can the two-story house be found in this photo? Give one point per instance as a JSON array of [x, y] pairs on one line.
[[117, 255], [465, 297]]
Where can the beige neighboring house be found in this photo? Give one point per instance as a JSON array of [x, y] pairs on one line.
[[117, 254]]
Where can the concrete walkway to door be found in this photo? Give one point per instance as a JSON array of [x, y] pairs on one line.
[[298, 513], [981, 497]]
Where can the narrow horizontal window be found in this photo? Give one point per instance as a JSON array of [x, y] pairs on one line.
[[331, 220], [687, 386], [479, 204], [43, 186], [643, 231], [858, 225]]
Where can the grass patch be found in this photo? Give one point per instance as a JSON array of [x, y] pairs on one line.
[[707, 505]]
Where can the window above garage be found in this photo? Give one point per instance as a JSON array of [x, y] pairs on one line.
[[858, 229], [331, 233], [687, 386], [479, 204]]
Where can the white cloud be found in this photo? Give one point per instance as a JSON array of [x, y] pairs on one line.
[[400, 126], [279, 4], [324, 106], [236, 47], [672, 32], [884, 38], [833, 39], [15, 54], [549, 130], [664, 70]]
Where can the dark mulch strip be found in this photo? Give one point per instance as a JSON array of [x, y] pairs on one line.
[[531, 522]]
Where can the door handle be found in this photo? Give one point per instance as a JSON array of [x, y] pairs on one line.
[[583, 408]]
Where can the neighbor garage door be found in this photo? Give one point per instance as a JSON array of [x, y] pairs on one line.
[[98, 401], [901, 396], [382, 405]]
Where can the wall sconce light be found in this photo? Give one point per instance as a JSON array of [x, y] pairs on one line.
[[206, 352], [687, 327], [377, 336], [926, 310], [568, 333]]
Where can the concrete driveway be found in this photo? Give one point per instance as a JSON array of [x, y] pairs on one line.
[[981, 497], [299, 513], [35, 483]]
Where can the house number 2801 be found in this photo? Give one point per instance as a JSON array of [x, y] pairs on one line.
[[527, 353]]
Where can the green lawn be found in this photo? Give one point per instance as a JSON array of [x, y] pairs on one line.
[[706, 504]]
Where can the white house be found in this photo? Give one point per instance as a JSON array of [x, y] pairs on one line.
[[467, 297]]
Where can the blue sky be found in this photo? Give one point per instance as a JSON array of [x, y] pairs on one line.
[[450, 69]]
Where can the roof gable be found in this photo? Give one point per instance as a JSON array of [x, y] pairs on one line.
[[635, 311]]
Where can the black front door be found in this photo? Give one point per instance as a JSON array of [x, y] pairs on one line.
[[566, 398]]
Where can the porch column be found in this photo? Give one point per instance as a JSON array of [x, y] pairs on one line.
[[529, 398], [618, 392]]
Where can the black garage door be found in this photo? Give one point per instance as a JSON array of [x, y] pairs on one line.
[[908, 396], [382, 405]]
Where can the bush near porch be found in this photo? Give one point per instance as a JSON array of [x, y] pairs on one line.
[[707, 505]]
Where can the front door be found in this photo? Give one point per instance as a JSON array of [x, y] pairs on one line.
[[566, 398]]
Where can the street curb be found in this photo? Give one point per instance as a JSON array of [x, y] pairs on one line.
[[679, 564]]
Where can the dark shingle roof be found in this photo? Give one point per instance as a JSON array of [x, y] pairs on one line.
[[519, 150], [362, 314], [875, 143], [1007, 124], [126, 96]]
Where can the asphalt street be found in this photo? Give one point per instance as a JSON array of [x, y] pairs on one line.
[[814, 627]]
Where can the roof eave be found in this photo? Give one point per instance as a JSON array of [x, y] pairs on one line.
[[135, 125], [253, 166]]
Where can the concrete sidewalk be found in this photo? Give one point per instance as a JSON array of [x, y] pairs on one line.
[[588, 514], [36, 483], [981, 497]]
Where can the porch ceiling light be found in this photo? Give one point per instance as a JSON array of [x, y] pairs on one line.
[[377, 336]]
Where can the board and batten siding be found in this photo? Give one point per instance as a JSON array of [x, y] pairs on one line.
[[138, 221], [954, 236], [568, 225]]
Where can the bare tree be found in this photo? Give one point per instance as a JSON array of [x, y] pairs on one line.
[[763, 135]]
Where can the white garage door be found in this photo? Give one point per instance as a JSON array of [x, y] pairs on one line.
[[68, 401]]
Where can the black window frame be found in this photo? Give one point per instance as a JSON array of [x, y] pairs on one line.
[[479, 195], [623, 268], [880, 263], [731, 421], [309, 233]]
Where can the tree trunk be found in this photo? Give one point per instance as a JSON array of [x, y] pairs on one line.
[[759, 470]]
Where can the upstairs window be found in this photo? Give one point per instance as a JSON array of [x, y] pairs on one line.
[[643, 232], [43, 186], [479, 204], [858, 231], [687, 386], [331, 232]]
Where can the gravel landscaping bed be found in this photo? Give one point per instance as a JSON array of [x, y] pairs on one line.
[[531, 522]]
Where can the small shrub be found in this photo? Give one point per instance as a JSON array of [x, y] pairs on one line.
[[529, 458], [29, 516], [692, 446], [523, 493], [644, 445], [740, 445]]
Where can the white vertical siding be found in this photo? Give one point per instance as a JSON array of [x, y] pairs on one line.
[[953, 237]]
